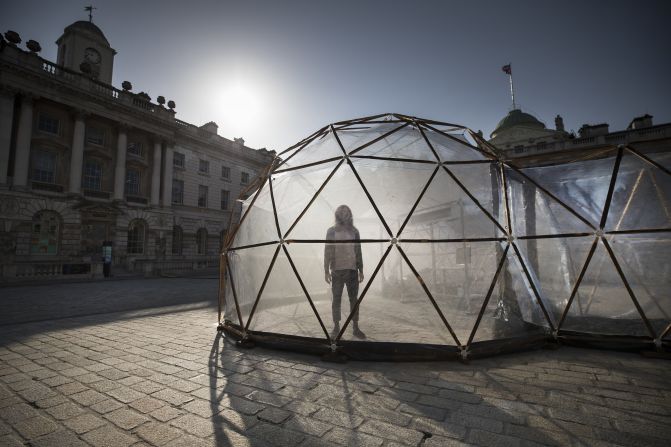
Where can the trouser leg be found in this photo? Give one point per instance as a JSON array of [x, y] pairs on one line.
[[353, 292], [337, 284]]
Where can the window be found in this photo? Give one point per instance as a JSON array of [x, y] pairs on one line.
[[203, 166], [178, 160], [135, 148], [519, 149], [177, 236], [132, 182], [95, 135], [136, 232], [48, 124], [202, 196], [225, 196], [201, 241], [244, 178], [44, 166], [45, 233], [177, 191], [93, 176], [225, 172]]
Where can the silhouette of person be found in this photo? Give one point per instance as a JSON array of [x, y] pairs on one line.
[[343, 266]]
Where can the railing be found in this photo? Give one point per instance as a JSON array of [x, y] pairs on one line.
[[136, 199], [24, 270], [47, 186], [151, 267], [97, 194]]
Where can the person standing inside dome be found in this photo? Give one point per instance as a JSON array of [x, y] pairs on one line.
[[343, 266]]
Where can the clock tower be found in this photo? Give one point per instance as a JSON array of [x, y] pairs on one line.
[[84, 48]]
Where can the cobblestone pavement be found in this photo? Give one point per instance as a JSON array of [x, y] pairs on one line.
[[163, 376]]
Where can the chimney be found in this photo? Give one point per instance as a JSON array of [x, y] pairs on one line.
[[210, 127], [640, 122]]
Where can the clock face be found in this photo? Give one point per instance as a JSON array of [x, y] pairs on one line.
[[91, 55]]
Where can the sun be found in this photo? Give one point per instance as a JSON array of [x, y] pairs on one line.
[[240, 104]]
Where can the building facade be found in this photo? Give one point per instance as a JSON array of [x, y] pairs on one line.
[[84, 164], [520, 135]]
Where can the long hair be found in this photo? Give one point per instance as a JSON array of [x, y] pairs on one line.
[[343, 217]]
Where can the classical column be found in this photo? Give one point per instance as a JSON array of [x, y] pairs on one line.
[[23, 137], [156, 175], [120, 169], [6, 117], [167, 174], [77, 153]]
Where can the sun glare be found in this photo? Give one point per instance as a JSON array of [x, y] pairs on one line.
[[240, 104]]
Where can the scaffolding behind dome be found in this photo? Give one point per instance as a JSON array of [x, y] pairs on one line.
[[465, 253]]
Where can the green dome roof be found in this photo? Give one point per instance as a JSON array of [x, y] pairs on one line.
[[516, 118]]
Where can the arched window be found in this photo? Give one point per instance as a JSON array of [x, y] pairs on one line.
[[46, 233], [177, 235], [136, 236], [201, 241]]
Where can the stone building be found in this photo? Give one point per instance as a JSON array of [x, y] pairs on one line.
[[83, 163], [521, 135]]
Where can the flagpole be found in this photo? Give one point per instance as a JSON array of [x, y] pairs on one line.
[[512, 90]]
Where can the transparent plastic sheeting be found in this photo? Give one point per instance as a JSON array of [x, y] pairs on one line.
[[457, 245]]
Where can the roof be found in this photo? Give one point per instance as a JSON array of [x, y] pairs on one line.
[[86, 26], [516, 118]]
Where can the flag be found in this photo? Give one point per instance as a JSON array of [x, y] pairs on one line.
[[507, 70]]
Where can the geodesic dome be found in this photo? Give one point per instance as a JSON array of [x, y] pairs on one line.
[[463, 252]]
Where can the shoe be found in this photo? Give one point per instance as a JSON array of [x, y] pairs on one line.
[[358, 333]]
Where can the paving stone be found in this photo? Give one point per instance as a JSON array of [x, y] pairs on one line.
[[10, 441], [487, 438], [83, 423], [147, 387], [193, 424], [265, 397], [439, 441], [65, 411], [125, 394], [352, 438], [106, 406], [51, 401], [340, 418], [391, 431], [235, 420], [157, 434], [307, 425], [273, 415], [34, 427], [192, 441], [275, 435], [88, 397], [172, 397], [71, 388], [62, 438], [126, 418], [446, 429], [166, 413], [108, 436], [147, 404]]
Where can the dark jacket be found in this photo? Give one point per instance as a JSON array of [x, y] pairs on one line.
[[329, 250]]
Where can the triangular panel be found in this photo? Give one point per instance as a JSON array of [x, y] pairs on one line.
[[581, 185], [406, 143], [483, 181], [397, 309], [293, 191], [641, 198], [458, 275], [394, 186], [354, 136], [452, 149], [258, 225], [447, 212], [283, 307], [533, 212], [554, 265], [248, 268], [342, 189], [646, 264], [321, 148], [512, 310], [602, 304], [309, 261]]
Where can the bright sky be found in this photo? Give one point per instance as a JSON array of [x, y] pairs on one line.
[[274, 71]]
